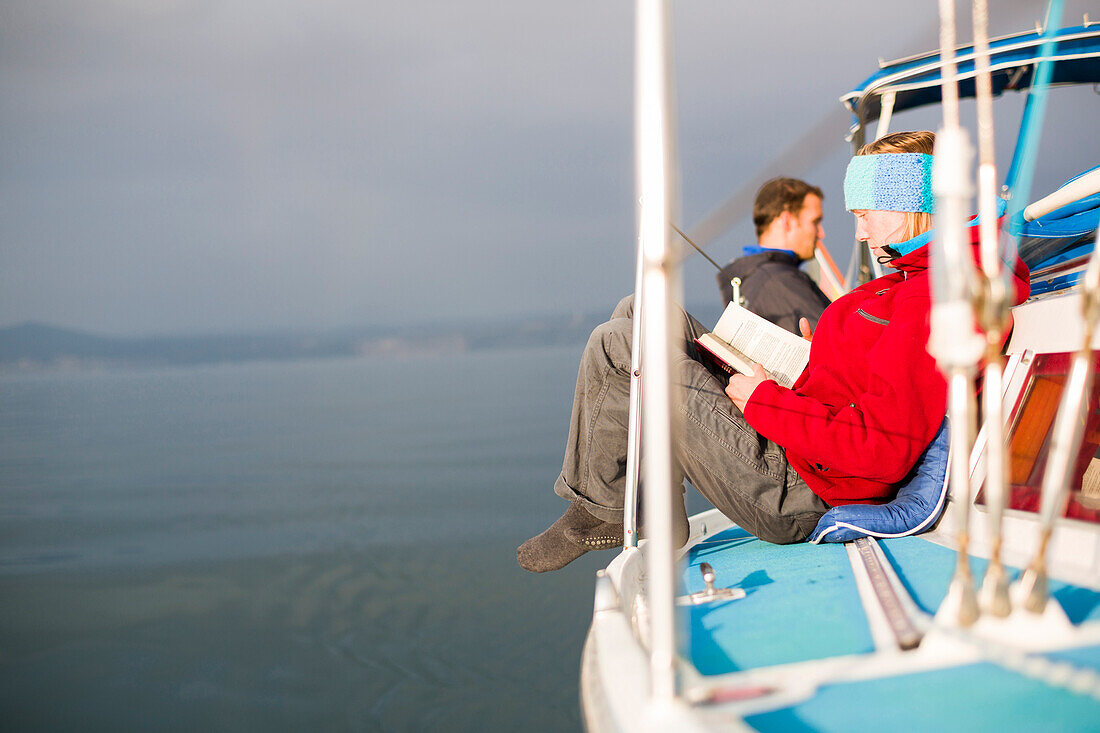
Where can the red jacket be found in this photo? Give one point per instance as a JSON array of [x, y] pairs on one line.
[[871, 397]]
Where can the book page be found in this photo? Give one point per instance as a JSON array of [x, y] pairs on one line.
[[780, 352]]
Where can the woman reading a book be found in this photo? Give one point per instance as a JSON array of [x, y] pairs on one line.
[[775, 459]]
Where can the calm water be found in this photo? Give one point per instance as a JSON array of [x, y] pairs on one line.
[[288, 546]]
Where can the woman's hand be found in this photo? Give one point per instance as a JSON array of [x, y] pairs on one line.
[[804, 327], [740, 388]]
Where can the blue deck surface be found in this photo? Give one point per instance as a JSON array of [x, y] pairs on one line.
[[802, 604], [926, 568], [975, 697]]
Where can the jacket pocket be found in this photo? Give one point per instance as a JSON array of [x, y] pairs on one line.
[[872, 319]]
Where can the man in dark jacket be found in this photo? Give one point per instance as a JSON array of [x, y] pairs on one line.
[[787, 214]]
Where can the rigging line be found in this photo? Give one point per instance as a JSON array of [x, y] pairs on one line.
[[803, 154], [693, 244], [955, 349], [1022, 168], [993, 594]]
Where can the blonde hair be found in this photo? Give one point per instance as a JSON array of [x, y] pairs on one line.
[[918, 141]]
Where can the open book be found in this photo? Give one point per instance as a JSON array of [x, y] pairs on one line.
[[741, 337]]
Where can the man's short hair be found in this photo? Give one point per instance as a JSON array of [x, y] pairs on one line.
[[779, 195]]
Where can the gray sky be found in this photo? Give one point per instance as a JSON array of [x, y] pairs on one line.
[[194, 166]]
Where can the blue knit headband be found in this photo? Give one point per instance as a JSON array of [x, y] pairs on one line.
[[889, 182]]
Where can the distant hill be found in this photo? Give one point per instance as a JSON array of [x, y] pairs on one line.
[[30, 346], [40, 342], [35, 344]]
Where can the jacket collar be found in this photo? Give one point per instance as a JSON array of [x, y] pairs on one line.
[[919, 249], [755, 249]]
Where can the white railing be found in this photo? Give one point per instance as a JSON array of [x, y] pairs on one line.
[[656, 182]]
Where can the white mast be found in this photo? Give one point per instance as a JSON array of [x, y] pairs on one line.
[[653, 125]]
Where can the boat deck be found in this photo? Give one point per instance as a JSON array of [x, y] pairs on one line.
[[801, 603], [803, 609], [787, 585], [981, 696]]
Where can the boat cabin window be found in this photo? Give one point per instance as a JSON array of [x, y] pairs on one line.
[[1030, 436]]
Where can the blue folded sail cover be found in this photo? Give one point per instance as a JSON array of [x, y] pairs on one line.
[[1060, 235], [919, 502], [1074, 219]]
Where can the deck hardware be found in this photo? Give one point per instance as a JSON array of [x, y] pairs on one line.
[[710, 594], [906, 634]]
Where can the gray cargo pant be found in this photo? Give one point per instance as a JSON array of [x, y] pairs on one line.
[[744, 475]]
